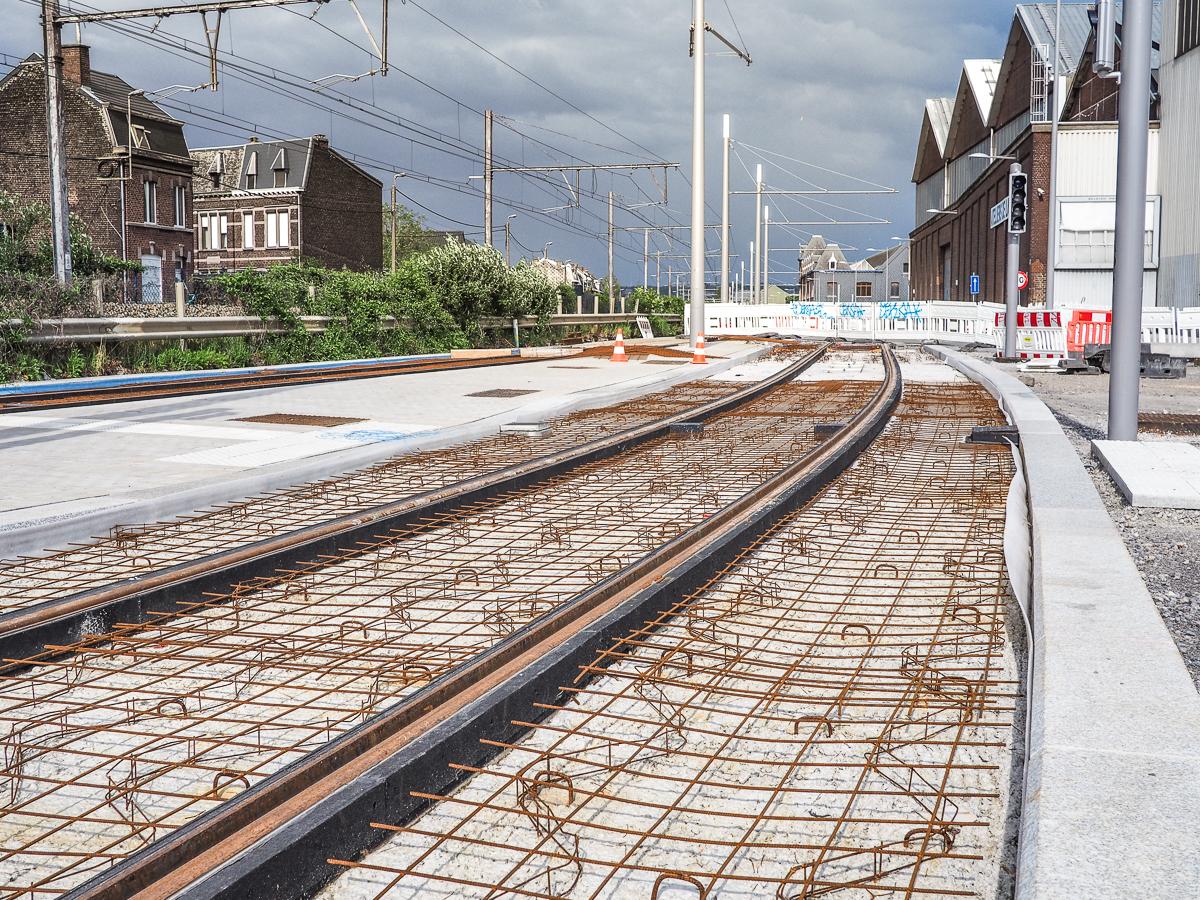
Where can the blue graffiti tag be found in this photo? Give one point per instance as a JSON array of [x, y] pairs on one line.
[[902, 309], [852, 311], [813, 310]]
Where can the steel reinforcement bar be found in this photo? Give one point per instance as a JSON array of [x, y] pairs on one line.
[[273, 839], [24, 632]]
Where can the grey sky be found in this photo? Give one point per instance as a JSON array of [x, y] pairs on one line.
[[839, 85]]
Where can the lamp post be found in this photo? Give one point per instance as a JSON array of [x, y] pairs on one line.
[[546, 249], [508, 240], [395, 177]]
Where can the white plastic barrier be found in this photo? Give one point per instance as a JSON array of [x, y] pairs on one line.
[[916, 321], [1040, 335]]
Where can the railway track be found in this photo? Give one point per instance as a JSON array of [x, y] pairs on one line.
[[829, 714], [117, 741], [57, 398], [138, 571]]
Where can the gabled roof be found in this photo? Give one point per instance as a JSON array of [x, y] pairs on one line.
[[1034, 24], [973, 104], [263, 159], [931, 146], [1084, 71]]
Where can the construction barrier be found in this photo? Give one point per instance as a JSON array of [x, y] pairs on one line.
[[1040, 335], [1088, 326]]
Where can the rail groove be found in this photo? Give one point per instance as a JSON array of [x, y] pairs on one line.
[[321, 805]]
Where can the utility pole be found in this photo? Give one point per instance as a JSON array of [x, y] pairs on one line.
[[766, 255], [728, 132], [488, 177], [1133, 140], [698, 41], [1012, 290], [756, 262], [60, 214], [611, 291], [1055, 109], [646, 262], [393, 226]]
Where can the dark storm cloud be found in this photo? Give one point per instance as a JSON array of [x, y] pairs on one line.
[[840, 85]]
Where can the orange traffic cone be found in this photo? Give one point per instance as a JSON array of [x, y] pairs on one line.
[[619, 349], [698, 354]]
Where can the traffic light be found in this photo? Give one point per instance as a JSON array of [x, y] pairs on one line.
[[1018, 203]]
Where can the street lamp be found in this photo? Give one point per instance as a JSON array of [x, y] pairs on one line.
[[942, 212], [991, 158], [508, 239], [546, 249], [395, 177]]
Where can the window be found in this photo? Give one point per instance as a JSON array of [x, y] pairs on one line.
[[180, 205], [280, 167], [149, 202], [894, 291], [140, 137], [1088, 230], [251, 181], [1187, 27], [214, 231], [278, 229], [248, 231], [863, 291], [832, 292], [833, 265], [280, 178], [252, 171], [906, 268]]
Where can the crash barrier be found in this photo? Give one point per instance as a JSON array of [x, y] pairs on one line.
[[1040, 335], [1088, 326], [931, 321]]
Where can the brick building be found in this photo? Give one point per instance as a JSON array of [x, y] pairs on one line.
[[1003, 108], [129, 179], [266, 203]]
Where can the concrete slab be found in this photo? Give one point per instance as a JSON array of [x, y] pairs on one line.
[[1159, 474], [75, 474], [1111, 793]]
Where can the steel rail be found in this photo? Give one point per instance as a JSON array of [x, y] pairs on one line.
[[24, 633], [56, 398], [321, 806]]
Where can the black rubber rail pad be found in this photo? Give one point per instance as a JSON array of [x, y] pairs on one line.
[[287, 851], [24, 633]]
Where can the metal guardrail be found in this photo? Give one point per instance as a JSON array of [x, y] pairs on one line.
[[121, 330]]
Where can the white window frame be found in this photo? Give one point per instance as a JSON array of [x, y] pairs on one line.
[[279, 229], [139, 136], [836, 296], [180, 206], [1099, 243], [150, 202], [894, 291], [214, 231], [247, 231], [859, 295]]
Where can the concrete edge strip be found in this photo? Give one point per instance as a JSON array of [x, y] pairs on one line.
[[1112, 786], [36, 536]]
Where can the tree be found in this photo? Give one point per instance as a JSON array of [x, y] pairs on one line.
[[412, 237]]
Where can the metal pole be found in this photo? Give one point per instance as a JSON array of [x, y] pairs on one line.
[[60, 212], [755, 262], [1133, 139], [508, 244], [742, 284], [765, 296], [697, 296], [658, 272], [487, 177], [646, 261], [1012, 292], [611, 292], [1052, 238], [728, 133], [393, 226]]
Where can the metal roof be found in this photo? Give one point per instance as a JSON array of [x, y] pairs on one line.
[[1038, 21], [981, 75], [940, 110]]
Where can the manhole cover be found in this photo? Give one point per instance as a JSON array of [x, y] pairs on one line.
[[298, 419], [502, 392], [1170, 423]]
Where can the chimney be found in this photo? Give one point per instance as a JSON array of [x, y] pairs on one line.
[[77, 63], [320, 140]]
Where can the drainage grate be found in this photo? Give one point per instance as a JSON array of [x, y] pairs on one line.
[[1170, 423], [298, 419], [502, 392]]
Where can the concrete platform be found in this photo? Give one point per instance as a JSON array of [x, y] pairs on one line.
[[1112, 784], [75, 472], [1159, 474]]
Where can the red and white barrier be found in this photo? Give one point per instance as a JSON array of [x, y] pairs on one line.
[[1040, 335], [1088, 326]]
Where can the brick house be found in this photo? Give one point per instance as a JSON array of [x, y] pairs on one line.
[[265, 203], [129, 179]]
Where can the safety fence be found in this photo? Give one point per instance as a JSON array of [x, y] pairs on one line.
[[1044, 334]]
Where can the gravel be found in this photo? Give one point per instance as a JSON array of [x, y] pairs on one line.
[[1165, 543]]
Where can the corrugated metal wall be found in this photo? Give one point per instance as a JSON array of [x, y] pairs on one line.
[[931, 194], [1180, 86], [1087, 162], [1092, 289]]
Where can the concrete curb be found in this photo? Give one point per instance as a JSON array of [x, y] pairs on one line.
[[1112, 791], [34, 536]]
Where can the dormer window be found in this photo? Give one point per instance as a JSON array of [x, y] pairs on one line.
[[280, 168], [216, 169], [252, 172], [140, 137]]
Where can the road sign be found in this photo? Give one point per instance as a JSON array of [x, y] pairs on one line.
[[976, 286], [1000, 212], [1022, 280]]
